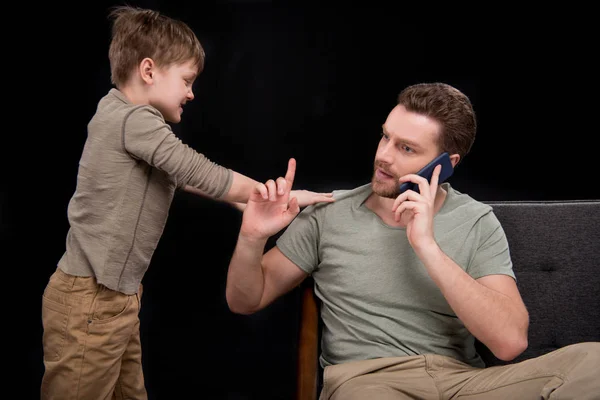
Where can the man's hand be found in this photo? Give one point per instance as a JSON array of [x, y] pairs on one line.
[[418, 209], [270, 207]]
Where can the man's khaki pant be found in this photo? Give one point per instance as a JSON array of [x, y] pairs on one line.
[[91, 341], [571, 372]]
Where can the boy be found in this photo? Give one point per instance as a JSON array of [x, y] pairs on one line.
[[131, 165]]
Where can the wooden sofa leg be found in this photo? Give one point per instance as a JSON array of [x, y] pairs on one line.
[[307, 377]]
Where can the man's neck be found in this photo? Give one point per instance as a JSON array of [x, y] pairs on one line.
[[382, 206]]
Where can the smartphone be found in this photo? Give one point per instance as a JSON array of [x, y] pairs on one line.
[[427, 171]]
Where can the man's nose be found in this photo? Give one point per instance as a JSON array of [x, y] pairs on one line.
[[386, 153]]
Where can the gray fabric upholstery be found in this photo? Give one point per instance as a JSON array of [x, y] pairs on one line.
[[555, 246]]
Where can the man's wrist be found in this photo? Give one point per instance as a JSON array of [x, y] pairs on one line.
[[427, 249], [252, 239]]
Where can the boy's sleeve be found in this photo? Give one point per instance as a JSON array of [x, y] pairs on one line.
[[146, 136], [493, 254]]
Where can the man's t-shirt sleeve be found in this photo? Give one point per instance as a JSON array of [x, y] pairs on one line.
[[493, 253], [300, 241]]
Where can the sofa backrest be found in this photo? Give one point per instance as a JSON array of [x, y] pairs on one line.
[[555, 247]]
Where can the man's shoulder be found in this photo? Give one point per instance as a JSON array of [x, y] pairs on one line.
[[344, 198], [342, 195], [457, 201], [348, 198]]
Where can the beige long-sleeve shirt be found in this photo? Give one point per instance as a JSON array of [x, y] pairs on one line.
[[131, 165]]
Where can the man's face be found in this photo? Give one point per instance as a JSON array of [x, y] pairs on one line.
[[408, 142]]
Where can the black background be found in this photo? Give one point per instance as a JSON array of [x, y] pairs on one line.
[[281, 80]]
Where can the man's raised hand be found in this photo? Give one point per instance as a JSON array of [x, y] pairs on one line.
[[270, 207]]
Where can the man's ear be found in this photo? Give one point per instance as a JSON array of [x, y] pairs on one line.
[[146, 69], [454, 159]]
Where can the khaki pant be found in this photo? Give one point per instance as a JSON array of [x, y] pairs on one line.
[[571, 372], [91, 341]]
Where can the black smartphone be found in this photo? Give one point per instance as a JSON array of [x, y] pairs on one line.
[[427, 171]]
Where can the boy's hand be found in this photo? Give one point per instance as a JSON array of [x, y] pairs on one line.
[[306, 197]]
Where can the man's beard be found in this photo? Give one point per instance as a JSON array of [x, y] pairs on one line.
[[383, 189]]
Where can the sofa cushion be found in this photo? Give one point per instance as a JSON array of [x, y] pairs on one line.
[[555, 247]]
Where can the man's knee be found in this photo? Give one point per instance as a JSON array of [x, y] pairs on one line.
[[578, 362], [580, 371], [583, 352]]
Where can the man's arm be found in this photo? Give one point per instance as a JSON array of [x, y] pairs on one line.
[[254, 280], [490, 307]]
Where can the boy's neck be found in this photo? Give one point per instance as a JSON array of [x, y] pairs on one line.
[[134, 93]]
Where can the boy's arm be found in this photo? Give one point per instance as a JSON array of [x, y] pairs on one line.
[[242, 186], [147, 137], [238, 193], [198, 192]]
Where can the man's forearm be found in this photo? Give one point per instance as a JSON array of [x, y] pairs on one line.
[[245, 278], [494, 318]]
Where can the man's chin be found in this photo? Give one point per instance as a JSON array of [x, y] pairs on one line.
[[383, 190]]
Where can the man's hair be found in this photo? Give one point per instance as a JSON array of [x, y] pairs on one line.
[[138, 33], [447, 105]]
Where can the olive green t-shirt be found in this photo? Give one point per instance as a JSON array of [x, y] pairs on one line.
[[131, 165], [377, 298]]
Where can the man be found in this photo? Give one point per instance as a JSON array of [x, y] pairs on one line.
[[406, 281]]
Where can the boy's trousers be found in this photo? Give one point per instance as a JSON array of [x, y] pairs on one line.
[[571, 372], [91, 341]]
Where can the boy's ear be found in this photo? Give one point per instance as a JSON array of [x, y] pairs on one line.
[[146, 69]]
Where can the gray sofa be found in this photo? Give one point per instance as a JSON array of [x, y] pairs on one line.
[[555, 246]]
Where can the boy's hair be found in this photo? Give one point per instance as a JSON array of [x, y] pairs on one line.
[[138, 33], [447, 105]]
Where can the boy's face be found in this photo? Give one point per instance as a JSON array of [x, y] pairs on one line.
[[408, 142], [172, 88]]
